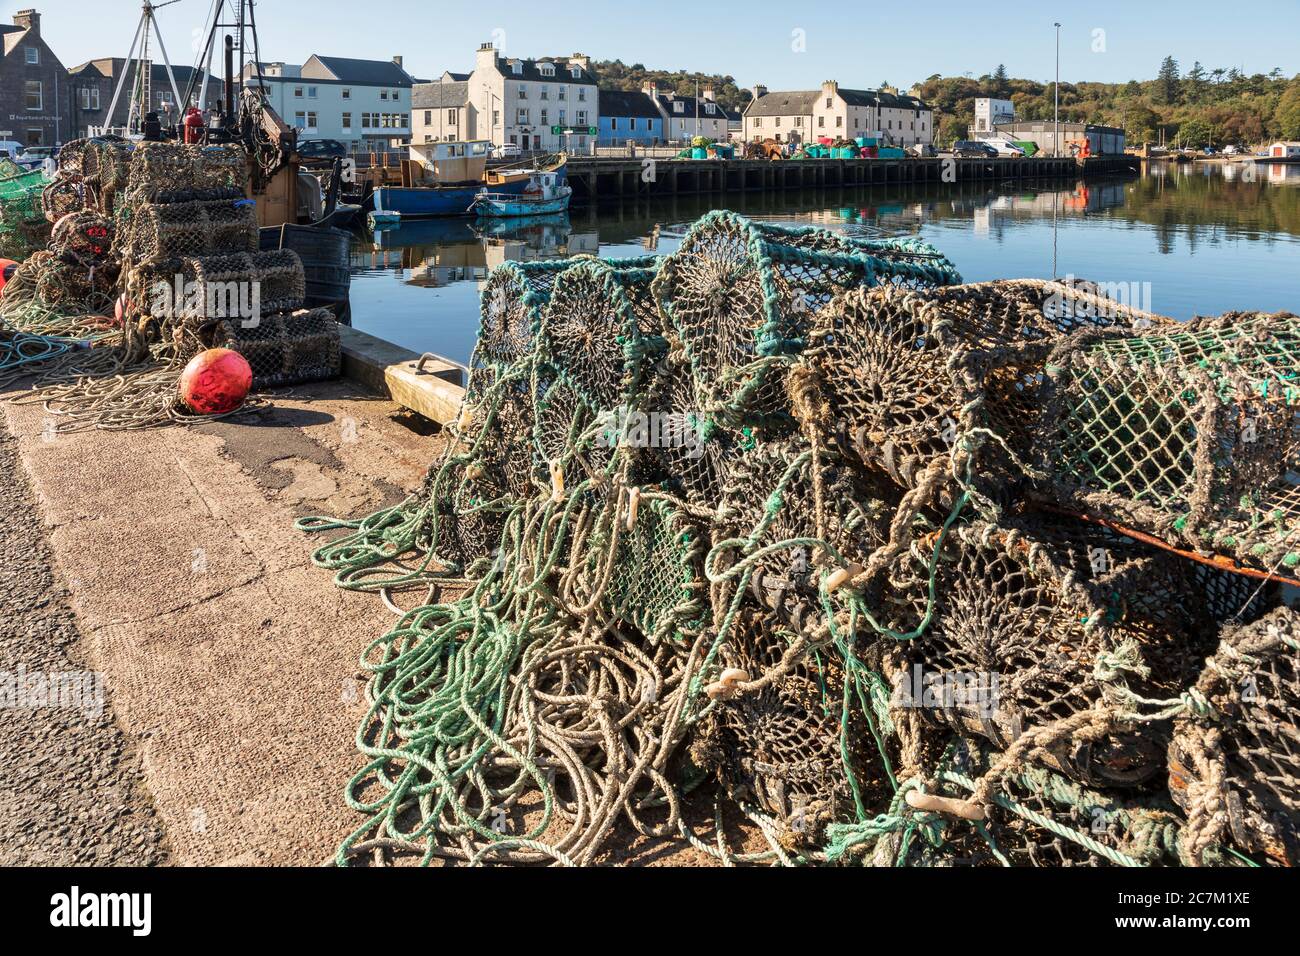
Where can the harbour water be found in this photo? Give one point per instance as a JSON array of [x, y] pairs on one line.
[[1199, 238]]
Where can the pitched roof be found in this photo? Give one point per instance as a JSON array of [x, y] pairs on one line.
[[627, 103], [426, 96], [688, 107], [529, 71], [454, 77], [783, 103], [362, 72], [802, 102]]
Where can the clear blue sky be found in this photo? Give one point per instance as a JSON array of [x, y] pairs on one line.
[[858, 42]]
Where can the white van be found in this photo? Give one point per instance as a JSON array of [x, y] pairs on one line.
[[11, 148], [1005, 148]]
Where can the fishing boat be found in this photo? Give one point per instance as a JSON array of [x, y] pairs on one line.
[[445, 179], [546, 194]]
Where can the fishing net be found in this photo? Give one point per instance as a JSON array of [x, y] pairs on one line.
[[1186, 435], [739, 295], [285, 348], [905, 376], [191, 229], [661, 591], [510, 312], [1234, 763], [1042, 640], [788, 742], [601, 329]]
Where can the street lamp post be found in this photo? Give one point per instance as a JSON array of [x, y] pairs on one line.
[[1056, 96]]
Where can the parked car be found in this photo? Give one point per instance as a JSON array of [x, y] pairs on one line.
[[1234, 151], [506, 151], [922, 150], [322, 149], [973, 149], [11, 149]]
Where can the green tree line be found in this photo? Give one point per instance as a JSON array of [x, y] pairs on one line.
[[617, 75], [1197, 107]]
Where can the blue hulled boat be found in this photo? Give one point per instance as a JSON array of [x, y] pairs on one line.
[[546, 193], [444, 179]]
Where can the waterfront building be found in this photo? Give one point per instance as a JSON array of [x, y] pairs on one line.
[[92, 84], [629, 116], [835, 112], [439, 110], [550, 103], [685, 117], [1101, 140], [1284, 149], [33, 86], [360, 103]]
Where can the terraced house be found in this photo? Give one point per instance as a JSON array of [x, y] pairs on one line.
[[836, 112], [686, 117], [360, 103], [33, 86]]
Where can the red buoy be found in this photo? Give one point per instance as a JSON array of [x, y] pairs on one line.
[[215, 382], [121, 308], [7, 268]]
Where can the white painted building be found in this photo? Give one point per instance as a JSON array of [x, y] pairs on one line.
[[835, 112], [1284, 150], [360, 103], [511, 100], [989, 112]]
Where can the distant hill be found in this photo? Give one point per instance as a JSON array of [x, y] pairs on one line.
[[617, 75]]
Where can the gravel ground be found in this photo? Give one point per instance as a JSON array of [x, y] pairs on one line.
[[72, 791]]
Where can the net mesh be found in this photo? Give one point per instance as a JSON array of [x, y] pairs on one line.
[[1187, 434], [713, 538], [1234, 764]]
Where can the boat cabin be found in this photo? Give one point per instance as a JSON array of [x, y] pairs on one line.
[[448, 162]]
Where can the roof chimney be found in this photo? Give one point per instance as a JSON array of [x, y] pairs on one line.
[[758, 91], [486, 58], [707, 93], [650, 88], [398, 61], [28, 20]]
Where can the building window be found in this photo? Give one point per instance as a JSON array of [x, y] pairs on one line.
[[758, 121], [516, 67], [582, 117], [562, 117], [545, 94], [428, 117], [383, 94], [828, 102], [89, 97], [523, 91], [821, 121], [521, 116], [33, 98], [297, 91], [679, 107], [311, 121], [798, 121], [300, 120], [777, 122], [631, 124], [563, 90], [451, 117], [496, 118], [33, 54], [347, 122], [547, 69], [395, 96], [839, 121], [708, 108], [576, 71], [545, 121], [347, 93], [582, 95]]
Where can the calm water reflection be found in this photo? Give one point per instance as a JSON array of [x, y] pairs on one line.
[[1208, 238]]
